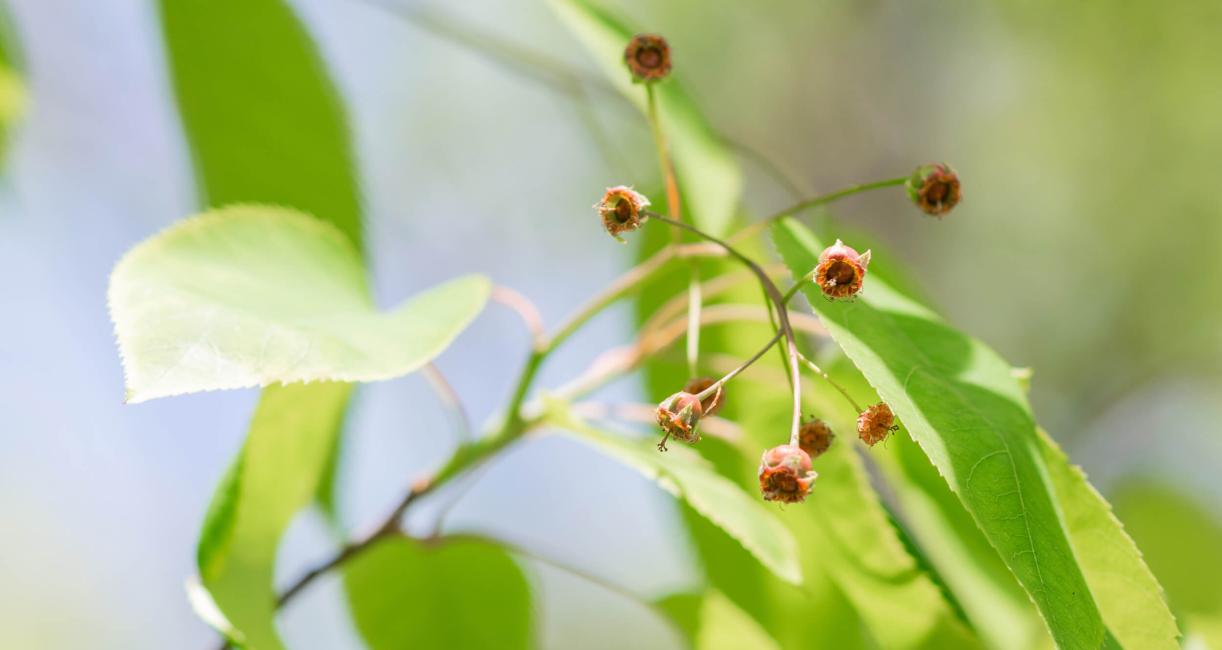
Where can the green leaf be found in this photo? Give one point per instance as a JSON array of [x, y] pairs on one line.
[[274, 477], [1180, 537], [452, 593], [1129, 597], [713, 622], [959, 401], [894, 596], [254, 295], [263, 119], [689, 478], [707, 172]]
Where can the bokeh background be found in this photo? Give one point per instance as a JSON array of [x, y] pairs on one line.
[[1088, 247]]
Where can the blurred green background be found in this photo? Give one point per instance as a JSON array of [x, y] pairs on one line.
[[1088, 247]]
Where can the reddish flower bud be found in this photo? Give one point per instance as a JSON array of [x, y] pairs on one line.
[[934, 188], [678, 415], [785, 474], [841, 270], [815, 437], [620, 210], [875, 423], [713, 403], [647, 57]]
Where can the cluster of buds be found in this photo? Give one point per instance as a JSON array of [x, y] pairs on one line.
[[934, 188], [841, 271], [876, 423], [648, 58], [785, 474]]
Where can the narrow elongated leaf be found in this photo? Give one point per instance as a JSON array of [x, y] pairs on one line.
[[455, 593], [274, 477], [959, 401], [254, 295], [1128, 595], [688, 477], [707, 172]]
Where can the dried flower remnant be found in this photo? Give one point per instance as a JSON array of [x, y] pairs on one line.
[[841, 270], [713, 403], [934, 188], [648, 58], [815, 437], [785, 474], [620, 209], [876, 423], [679, 415]]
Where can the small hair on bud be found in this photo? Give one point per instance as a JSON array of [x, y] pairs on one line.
[[841, 270], [785, 474], [678, 416], [876, 423], [815, 437], [934, 188], [620, 209], [648, 58], [713, 403]]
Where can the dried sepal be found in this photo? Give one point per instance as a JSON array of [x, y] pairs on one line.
[[815, 437], [876, 423], [648, 58], [620, 209], [934, 188], [785, 474], [679, 416], [841, 270]]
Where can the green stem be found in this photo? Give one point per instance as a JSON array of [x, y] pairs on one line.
[[782, 314], [822, 199]]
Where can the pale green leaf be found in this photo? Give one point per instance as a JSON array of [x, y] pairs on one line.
[[713, 622], [1128, 595], [274, 477], [253, 295], [958, 400], [708, 174], [689, 478], [451, 593]]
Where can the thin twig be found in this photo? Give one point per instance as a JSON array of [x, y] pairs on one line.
[[449, 399], [805, 204], [525, 309]]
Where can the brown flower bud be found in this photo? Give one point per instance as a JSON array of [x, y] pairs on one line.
[[785, 474], [875, 423], [678, 415], [841, 270], [713, 403], [934, 188], [620, 210], [647, 57], [815, 437]]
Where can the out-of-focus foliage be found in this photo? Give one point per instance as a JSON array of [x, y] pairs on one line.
[[13, 97], [452, 593], [252, 295]]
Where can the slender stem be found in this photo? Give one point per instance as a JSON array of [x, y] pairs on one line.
[[665, 164], [814, 367], [782, 314], [626, 284], [806, 204], [525, 309], [693, 326], [449, 399]]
